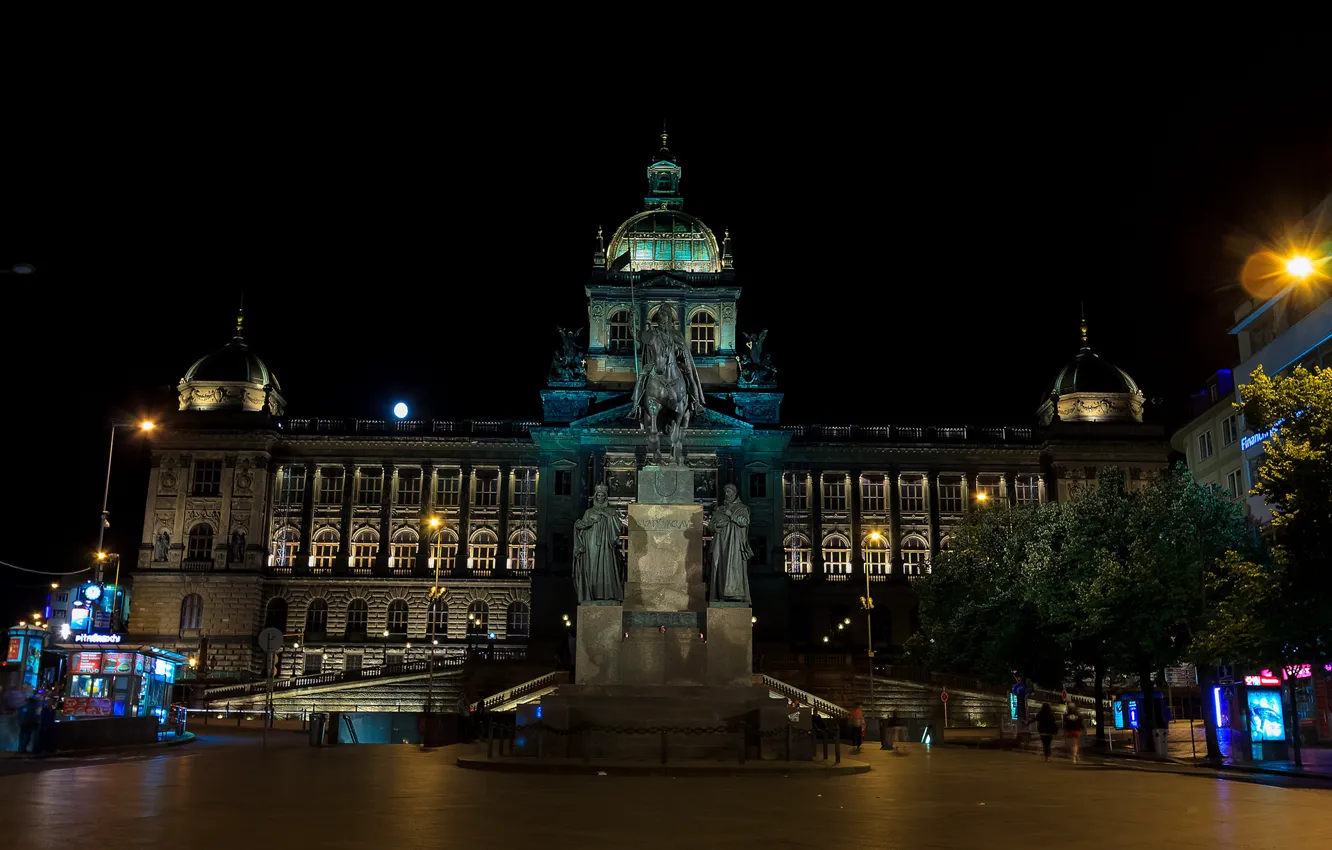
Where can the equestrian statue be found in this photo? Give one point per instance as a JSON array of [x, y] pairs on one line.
[[667, 381]]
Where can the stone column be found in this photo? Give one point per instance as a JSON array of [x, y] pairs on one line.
[[389, 479], [893, 495], [349, 477], [505, 489], [423, 529], [932, 502], [1009, 488], [464, 515], [857, 555], [815, 484]]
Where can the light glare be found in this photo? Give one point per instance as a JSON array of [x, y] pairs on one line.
[[1299, 266], [400, 410]]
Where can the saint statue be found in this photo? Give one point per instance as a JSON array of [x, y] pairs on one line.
[[597, 551], [237, 547], [728, 576], [161, 546], [667, 380]]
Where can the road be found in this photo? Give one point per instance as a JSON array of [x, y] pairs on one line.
[[229, 793]]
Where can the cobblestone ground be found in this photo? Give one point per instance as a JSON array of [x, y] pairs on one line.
[[396, 796]]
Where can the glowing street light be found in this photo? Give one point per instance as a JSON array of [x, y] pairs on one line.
[[982, 496], [147, 425], [434, 522], [1299, 266]]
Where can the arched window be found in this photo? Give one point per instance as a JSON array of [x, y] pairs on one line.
[[797, 554], [836, 555], [876, 554], [519, 619], [437, 619], [945, 543], [478, 618], [191, 613], [397, 617], [621, 339], [316, 617], [522, 550], [485, 546], [915, 555], [404, 551], [200, 547], [703, 332], [444, 549], [365, 545], [275, 617], [286, 543], [325, 549], [358, 615]]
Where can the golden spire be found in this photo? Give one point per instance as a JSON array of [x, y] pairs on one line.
[[1083, 327], [663, 132], [240, 314]]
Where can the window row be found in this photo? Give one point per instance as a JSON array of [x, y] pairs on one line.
[[702, 331], [483, 550], [874, 548], [912, 491], [518, 617], [368, 487]]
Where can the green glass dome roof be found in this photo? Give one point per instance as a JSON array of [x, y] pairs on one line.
[[665, 239]]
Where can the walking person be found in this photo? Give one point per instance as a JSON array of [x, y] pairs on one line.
[[857, 719], [1045, 727], [1073, 729], [30, 719]]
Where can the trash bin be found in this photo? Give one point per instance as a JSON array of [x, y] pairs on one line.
[[1160, 740], [317, 722]]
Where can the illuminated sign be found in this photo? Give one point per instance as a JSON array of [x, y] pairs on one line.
[[1255, 439], [1257, 681], [15, 650], [97, 638], [1119, 714], [1265, 720], [78, 618], [91, 592]]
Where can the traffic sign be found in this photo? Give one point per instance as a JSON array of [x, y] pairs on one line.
[[1182, 677], [943, 697], [1225, 674], [1229, 692], [270, 640]]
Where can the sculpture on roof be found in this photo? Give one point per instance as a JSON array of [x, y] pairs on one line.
[[756, 364], [568, 365]]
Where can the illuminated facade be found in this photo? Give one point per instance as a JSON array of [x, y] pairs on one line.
[[335, 530]]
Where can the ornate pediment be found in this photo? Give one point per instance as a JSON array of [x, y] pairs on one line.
[[665, 279], [621, 416]]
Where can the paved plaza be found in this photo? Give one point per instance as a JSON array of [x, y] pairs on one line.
[[230, 793]]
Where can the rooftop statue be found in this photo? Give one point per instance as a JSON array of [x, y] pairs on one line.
[[568, 364], [756, 365], [667, 380]]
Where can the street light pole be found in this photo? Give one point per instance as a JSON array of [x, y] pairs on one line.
[[145, 425]]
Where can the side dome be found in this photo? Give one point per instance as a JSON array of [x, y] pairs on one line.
[[661, 240], [231, 378], [1089, 389]]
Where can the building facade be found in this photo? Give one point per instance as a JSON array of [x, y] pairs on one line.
[[371, 541]]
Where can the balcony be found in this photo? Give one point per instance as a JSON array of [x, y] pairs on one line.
[[196, 565]]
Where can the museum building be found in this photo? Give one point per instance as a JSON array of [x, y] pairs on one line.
[[375, 541]]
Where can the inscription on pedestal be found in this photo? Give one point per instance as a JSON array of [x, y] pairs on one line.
[[665, 558]]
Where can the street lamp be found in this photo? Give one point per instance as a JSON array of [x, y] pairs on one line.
[[1299, 266], [144, 425], [982, 497], [867, 605]]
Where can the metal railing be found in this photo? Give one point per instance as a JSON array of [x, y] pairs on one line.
[[912, 434], [791, 692], [420, 427], [378, 672], [547, 680]]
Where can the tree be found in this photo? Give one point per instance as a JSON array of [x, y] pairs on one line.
[[1295, 478]]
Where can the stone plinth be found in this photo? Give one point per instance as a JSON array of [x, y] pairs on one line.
[[665, 558], [599, 637], [730, 649], [666, 485]]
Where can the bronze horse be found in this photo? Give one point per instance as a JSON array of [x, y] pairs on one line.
[[667, 380]]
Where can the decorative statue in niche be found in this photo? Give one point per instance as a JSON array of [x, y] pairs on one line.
[[568, 365], [161, 546], [237, 553], [728, 574], [756, 365], [597, 551], [667, 380]]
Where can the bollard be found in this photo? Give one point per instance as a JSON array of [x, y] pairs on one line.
[[788, 742], [837, 744], [663, 746]]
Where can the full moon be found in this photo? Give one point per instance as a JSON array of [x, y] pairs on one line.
[[400, 410]]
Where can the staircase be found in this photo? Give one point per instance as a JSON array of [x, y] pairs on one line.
[[528, 692], [791, 692], [403, 692]]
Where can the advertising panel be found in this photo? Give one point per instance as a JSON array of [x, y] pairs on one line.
[[118, 662], [15, 650], [1265, 719], [85, 662], [88, 706]]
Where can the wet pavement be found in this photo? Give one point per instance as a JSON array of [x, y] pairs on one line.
[[230, 793]]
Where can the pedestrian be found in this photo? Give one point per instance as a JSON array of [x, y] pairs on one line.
[[857, 727], [896, 730], [1073, 729], [30, 719], [1045, 727]]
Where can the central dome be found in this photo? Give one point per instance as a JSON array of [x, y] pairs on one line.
[[232, 362], [660, 240], [231, 378]]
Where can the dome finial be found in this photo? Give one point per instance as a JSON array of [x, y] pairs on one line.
[[1083, 326], [240, 315], [663, 133]]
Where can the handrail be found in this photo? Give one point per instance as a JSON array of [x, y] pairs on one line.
[[792, 692], [543, 681], [316, 679]]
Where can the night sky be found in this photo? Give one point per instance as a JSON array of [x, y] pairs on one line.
[[923, 263]]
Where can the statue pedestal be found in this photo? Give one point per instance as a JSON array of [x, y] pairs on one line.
[[665, 558], [730, 646], [599, 635]]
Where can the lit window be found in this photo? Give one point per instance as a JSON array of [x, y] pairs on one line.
[[1205, 445], [703, 332], [325, 549], [316, 617], [1230, 429], [200, 545], [447, 488], [191, 612], [437, 619], [950, 494], [365, 546], [330, 486], [524, 487], [797, 553], [834, 492], [795, 487], [409, 486], [487, 488], [915, 555], [876, 555], [358, 616], [286, 543], [911, 492], [621, 333], [404, 551], [519, 619], [522, 550], [444, 549], [1028, 489], [836, 555], [478, 618], [873, 494], [370, 489], [484, 548], [397, 617], [207, 477]]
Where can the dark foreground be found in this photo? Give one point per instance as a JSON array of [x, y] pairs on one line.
[[233, 795]]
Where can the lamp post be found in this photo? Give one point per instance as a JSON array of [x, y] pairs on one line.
[[434, 596], [145, 425], [867, 603]]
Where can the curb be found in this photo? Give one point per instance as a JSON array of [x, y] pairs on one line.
[[187, 738], [580, 768]]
